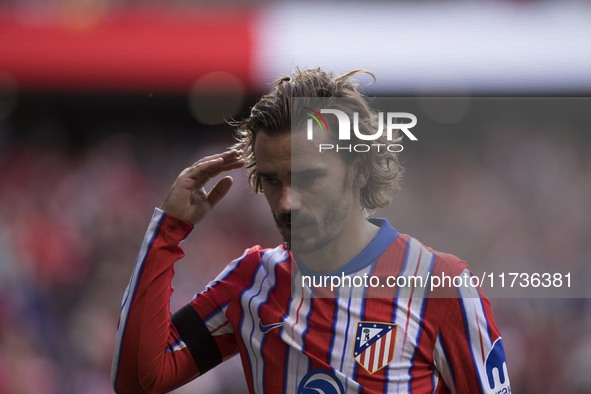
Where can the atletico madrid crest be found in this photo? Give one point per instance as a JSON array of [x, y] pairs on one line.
[[374, 345]]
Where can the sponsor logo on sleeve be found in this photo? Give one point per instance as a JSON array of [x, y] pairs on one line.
[[496, 369]]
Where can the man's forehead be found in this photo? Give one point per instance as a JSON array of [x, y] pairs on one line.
[[296, 165], [305, 167], [292, 152], [292, 143]]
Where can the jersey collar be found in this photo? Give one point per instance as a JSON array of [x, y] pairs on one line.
[[376, 247]]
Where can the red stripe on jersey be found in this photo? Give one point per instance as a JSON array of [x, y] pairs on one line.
[[371, 356], [456, 344], [382, 351], [379, 302], [142, 355], [422, 361], [274, 350], [480, 337], [392, 348], [362, 357], [220, 293], [297, 316], [219, 328], [318, 339], [493, 331]]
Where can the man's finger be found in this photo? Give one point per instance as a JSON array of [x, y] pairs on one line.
[[219, 190], [227, 166], [215, 164], [227, 156], [204, 168]]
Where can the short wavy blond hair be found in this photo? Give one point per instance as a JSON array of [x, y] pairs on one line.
[[271, 114]]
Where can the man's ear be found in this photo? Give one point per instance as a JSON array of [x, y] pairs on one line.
[[361, 175]]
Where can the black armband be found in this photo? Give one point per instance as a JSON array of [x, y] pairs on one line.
[[197, 337]]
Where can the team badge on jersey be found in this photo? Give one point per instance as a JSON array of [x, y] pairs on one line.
[[374, 345]]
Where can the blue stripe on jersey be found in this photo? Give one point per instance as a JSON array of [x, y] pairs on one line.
[[307, 329], [468, 337], [243, 316], [268, 269], [395, 305], [333, 329], [221, 276], [227, 271], [433, 381], [447, 362], [177, 345], [273, 267], [377, 246], [131, 290], [403, 267], [304, 334], [286, 361], [419, 331], [488, 327], [215, 312], [256, 366], [346, 329], [362, 318]]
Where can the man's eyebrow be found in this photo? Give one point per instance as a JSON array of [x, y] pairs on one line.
[[305, 172], [310, 171], [266, 174]]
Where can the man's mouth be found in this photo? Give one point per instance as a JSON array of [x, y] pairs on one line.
[[284, 223], [289, 223]]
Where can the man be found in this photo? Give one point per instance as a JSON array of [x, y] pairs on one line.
[[293, 338]]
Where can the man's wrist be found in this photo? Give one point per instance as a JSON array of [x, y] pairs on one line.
[[171, 224]]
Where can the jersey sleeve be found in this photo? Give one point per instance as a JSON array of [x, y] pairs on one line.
[[154, 351], [469, 353], [206, 316]]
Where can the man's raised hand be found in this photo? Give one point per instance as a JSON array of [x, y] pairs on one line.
[[188, 200]]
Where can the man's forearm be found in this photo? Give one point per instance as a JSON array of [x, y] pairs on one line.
[[141, 362]]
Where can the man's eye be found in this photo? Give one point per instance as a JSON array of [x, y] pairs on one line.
[[304, 180], [269, 181], [300, 181]]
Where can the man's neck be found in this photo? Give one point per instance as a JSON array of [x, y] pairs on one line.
[[349, 243]]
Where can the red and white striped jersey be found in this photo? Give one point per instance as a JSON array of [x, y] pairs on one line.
[[360, 340]]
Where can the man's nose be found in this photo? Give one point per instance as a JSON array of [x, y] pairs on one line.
[[289, 199]]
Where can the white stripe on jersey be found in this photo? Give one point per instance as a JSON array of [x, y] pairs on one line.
[[386, 347], [350, 301], [376, 348], [479, 339], [292, 334], [349, 363], [133, 282], [408, 315], [178, 345], [250, 301], [436, 381], [442, 365], [229, 268], [218, 324]]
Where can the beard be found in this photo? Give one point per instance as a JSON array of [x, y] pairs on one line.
[[306, 234]]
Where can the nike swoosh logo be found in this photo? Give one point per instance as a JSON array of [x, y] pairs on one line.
[[265, 328]]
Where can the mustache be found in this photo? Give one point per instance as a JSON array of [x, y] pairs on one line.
[[293, 219]]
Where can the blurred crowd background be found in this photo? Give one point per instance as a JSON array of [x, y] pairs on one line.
[[83, 166]]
